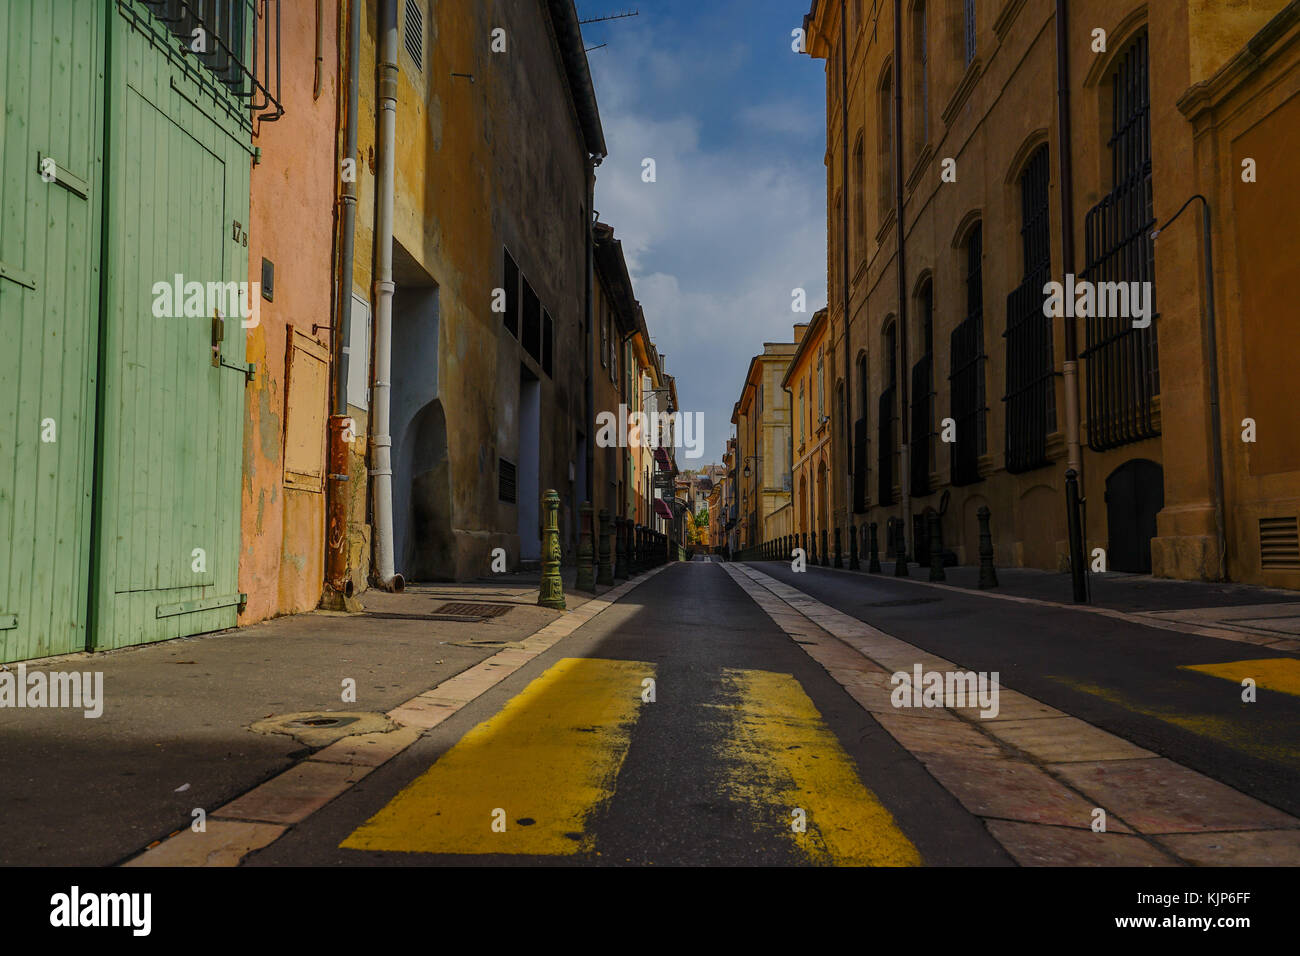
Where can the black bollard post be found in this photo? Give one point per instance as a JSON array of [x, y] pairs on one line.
[[854, 564], [900, 550], [988, 574], [839, 559], [825, 554], [936, 548], [1078, 564], [873, 566]]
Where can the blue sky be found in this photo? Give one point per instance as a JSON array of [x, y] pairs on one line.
[[735, 122]]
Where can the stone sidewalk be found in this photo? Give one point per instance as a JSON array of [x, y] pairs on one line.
[[175, 734], [1042, 780]]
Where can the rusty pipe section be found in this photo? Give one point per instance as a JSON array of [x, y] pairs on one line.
[[338, 580]]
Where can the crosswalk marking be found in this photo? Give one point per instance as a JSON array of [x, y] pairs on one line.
[[780, 756], [549, 758], [1269, 673]]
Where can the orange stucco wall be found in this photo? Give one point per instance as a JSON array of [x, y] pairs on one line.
[[292, 211]]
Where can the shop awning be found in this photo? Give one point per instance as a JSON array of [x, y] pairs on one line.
[[662, 509]]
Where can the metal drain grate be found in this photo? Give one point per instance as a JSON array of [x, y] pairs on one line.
[[475, 610]]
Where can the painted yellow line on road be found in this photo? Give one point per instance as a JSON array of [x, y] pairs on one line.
[[1269, 673], [780, 755], [549, 758]]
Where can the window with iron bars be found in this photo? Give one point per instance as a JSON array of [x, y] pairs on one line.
[[969, 21], [885, 432], [860, 443], [1122, 362], [922, 432], [239, 45], [1031, 366], [966, 371]]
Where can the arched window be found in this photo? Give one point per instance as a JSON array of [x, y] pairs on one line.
[[922, 432], [1122, 359], [1031, 366], [885, 139], [920, 76], [860, 440], [966, 370], [885, 418]]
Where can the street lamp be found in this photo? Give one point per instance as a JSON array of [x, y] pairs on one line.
[[748, 459]]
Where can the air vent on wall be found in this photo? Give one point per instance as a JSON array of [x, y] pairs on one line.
[[506, 480], [1279, 544], [414, 33]]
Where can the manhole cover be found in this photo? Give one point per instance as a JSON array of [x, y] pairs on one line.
[[321, 721], [475, 610], [317, 729]]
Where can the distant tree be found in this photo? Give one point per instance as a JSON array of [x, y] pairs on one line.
[[702, 517]]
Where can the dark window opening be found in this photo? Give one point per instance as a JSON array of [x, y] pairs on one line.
[[966, 371], [532, 318]]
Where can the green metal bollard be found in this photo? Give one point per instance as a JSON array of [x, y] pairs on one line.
[[552, 590]]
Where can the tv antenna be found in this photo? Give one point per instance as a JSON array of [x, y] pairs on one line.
[[612, 16]]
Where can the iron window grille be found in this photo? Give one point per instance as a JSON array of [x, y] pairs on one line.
[[548, 343], [860, 465], [966, 371], [1123, 366], [922, 430], [885, 448], [506, 480], [510, 319], [240, 46], [1031, 367]]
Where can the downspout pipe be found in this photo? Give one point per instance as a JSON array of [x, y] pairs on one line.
[[338, 583], [1064, 152], [844, 192], [905, 471], [1212, 368], [590, 295], [381, 442]]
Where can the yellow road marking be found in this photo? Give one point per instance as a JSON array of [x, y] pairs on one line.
[[1269, 673], [780, 755], [1239, 735], [550, 756]]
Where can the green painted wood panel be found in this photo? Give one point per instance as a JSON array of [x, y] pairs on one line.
[[171, 425], [51, 89]]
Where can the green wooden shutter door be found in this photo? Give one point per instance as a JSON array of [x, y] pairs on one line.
[[51, 88], [172, 424]]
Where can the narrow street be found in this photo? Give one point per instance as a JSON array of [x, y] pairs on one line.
[[759, 712], [744, 729]]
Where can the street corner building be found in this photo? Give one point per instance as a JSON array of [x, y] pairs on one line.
[[302, 299], [1138, 157]]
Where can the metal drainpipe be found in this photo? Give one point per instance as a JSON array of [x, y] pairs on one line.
[[590, 237], [844, 176], [905, 471], [381, 460], [337, 578], [1073, 428]]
